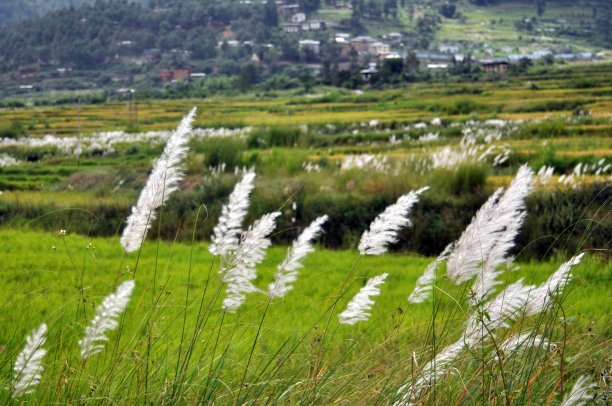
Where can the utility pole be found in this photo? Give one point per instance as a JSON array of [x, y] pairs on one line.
[[78, 148]]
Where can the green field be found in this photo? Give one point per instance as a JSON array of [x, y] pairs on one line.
[[59, 280]]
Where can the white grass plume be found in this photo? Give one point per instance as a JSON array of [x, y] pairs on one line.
[[424, 285], [541, 296], [469, 251], [105, 319], [488, 227], [521, 342], [228, 229], [358, 308], [486, 280], [499, 312], [163, 181], [240, 271], [383, 230], [287, 270], [28, 367], [580, 392]]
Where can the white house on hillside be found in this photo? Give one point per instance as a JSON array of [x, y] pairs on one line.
[[291, 27], [379, 49], [314, 46], [298, 18], [313, 25]]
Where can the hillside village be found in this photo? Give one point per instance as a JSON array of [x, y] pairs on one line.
[[370, 51], [334, 46]]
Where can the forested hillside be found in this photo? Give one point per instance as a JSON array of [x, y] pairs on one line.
[[132, 43], [12, 11], [91, 35]]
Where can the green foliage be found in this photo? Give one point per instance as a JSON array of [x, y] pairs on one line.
[[217, 151], [465, 179], [278, 136], [13, 129]]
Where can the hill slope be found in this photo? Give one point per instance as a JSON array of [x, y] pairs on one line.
[[13, 11]]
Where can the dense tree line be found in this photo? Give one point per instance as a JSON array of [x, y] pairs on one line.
[[13, 11], [90, 35]]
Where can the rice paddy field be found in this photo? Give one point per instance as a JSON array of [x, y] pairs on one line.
[[69, 176]]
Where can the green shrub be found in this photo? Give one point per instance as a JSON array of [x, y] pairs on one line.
[[13, 130], [467, 178], [218, 150]]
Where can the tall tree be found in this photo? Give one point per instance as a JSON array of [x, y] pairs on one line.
[[270, 17]]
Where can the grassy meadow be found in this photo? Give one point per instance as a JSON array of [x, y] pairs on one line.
[[65, 198], [62, 278]]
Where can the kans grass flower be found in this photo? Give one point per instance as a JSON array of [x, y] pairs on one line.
[[105, 319], [495, 224], [239, 272], [288, 269], [28, 366], [383, 230], [163, 181], [359, 306], [227, 231]]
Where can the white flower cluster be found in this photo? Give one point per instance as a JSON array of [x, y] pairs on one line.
[[311, 167], [475, 146], [516, 299], [106, 141], [479, 253], [468, 151], [581, 170], [577, 176], [7, 160], [365, 161]]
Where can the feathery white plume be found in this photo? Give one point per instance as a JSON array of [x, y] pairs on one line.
[[498, 312], [488, 227], [240, 271], [28, 368], [105, 319], [520, 342], [424, 285], [357, 309], [287, 270], [541, 296], [469, 251], [486, 280], [579, 394], [163, 181], [383, 230], [227, 230]]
